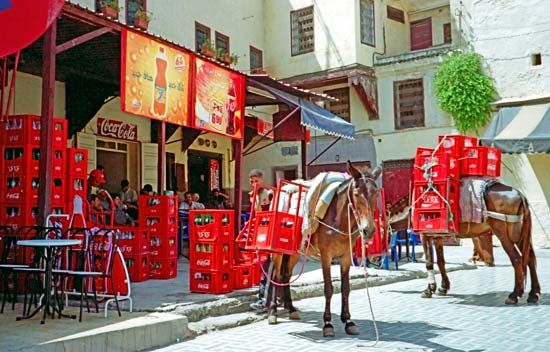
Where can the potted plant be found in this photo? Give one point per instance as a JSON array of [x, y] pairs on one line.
[[234, 59], [109, 8], [223, 56], [142, 18], [208, 49]]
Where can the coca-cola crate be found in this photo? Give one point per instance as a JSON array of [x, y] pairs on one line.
[[163, 247], [210, 256], [374, 247], [435, 221], [211, 225], [163, 268], [427, 163], [453, 144], [76, 185], [24, 160], [17, 215], [158, 205], [208, 281], [276, 232], [138, 267], [132, 240], [243, 276], [161, 226], [18, 188], [448, 190], [77, 162], [493, 162], [474, 161], [25, 129]]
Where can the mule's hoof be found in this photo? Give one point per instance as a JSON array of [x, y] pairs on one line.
[[432, 288], [533, 298], [441, 292], [352, 329], [426, 294], [272, 319], [328, 330], [491, 264], [511, 300], [294, 315]]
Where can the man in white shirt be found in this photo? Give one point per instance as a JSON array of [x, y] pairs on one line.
[[189, 204]]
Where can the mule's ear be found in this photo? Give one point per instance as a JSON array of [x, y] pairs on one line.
[[353, 171], [376, 172]]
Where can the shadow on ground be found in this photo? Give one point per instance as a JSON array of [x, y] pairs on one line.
[[419, 334]]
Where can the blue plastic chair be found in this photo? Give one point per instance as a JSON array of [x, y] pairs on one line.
[[398, 239]]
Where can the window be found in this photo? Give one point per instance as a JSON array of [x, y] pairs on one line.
[[447, 33], [421, 34], [367, 21], [301, 31], [222, 42], [340, 107], [202, 34], [395, 14], [133, 6], [256, 60], [536, 59], [408, 97]]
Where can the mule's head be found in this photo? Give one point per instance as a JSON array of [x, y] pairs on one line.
[[364, 197]]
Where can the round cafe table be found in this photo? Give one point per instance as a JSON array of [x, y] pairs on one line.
[[50, 247]]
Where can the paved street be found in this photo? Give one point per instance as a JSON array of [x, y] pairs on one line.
[[472, 318]]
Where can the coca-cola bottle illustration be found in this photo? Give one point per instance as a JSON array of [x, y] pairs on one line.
[[159, 98], [231, 108]]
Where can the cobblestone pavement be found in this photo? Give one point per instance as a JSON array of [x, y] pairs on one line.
[[472, 318]]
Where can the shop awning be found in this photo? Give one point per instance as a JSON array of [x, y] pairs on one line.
[[312, 115], [520, 129]]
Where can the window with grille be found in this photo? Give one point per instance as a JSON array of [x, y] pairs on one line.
[[447, 33], [202, 34], [408, 103], [367, 21], [256, 60], [301, 29], [340, 107], [133, 6], [222, 42]]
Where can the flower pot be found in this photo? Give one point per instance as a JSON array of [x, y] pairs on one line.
[[226, 59], [141, 23], [208, 52], [109, 12]]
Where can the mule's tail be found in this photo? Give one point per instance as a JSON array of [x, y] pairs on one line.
[[525, 234]]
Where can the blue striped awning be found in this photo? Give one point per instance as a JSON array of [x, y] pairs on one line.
[[520, 129]]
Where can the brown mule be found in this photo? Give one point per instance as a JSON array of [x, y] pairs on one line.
[[515, 237], [356, 199]]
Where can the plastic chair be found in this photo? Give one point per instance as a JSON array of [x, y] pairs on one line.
[[400, 238]]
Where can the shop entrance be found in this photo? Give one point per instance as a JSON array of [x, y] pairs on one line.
[[204, 170], [116, 157]]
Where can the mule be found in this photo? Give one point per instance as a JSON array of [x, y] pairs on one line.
[[509, 219], [356, 200]]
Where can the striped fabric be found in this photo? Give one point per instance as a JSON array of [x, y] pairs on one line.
[[520, 129]]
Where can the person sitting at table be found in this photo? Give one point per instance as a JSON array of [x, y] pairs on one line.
[[219, 200], [121, 217], [129, 198], [147, 190], [95, 203], [189, 203]]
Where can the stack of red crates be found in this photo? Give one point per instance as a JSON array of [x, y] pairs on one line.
[[211, 238], [133, 242], [437, 210], [76, 180], [20, 156], [159, 215]]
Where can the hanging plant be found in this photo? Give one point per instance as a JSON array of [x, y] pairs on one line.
[[464, 91]]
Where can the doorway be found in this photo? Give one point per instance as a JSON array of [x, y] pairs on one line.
[[204, 173], [289, 173]]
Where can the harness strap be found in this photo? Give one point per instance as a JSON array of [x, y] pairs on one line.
[[503, 217]]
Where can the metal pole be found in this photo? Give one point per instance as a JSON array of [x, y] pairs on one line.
[[304, 159], [161, 178], [238, 197], [324, 150], [46, 124]]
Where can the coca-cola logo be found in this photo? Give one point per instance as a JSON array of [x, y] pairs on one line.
[[203, 234], [116, 129], [203, 262], [126, 249], [203, 286]]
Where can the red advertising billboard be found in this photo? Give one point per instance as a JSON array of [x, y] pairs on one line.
[[155, 79], [218, 100]]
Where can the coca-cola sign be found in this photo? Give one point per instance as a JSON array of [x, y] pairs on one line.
[[116, 129]]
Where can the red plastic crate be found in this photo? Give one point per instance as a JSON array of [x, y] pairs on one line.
[[17, 215], [434, 221], [24, 189], [214, 282], [25, 129], [374, 246], [474, 161], [449, 190], [163, 247], [158, 226], [77, 162], [158, 205], [440, 169], [138, 267], [211, 225], [243, 276], [210, 256], [453, 144], [494, 156], [163, 268], [132, 240], [76, 185], [276, 232], [25, 159]]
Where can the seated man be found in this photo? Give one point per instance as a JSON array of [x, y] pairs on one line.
[[121, 217], [219, 200], [189, 204], [129, 198]]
